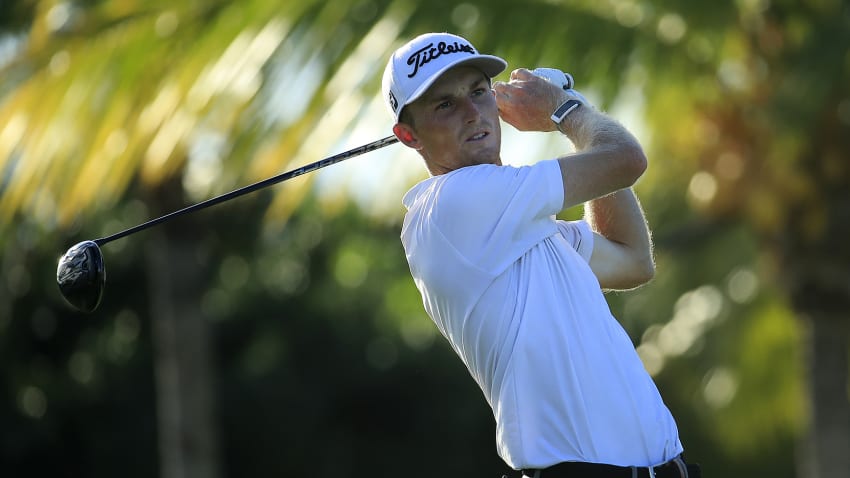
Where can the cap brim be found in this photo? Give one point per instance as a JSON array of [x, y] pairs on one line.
[[490, 65]]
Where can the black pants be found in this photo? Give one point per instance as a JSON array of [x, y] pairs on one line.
[[675, 468]]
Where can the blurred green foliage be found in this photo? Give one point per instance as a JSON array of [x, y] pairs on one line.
[[321, 357]]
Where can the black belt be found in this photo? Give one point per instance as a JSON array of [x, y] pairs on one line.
[[675, 468]]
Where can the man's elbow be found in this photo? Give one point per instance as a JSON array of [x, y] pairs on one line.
[[635, 162], [642, 272], [637, 275], [645, 272]]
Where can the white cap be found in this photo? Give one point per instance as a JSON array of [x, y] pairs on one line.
[[414, 67]]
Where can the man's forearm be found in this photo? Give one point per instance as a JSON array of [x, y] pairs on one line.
[[607, 159], [619, 218], [588, 128]]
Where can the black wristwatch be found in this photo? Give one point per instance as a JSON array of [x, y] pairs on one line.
[[568, 107]]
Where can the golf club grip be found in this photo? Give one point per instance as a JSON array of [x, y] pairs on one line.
[[254, 187]]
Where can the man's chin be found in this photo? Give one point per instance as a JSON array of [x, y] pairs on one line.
[[487, 155]]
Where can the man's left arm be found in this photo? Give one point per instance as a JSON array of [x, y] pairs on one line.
[[622, 250]]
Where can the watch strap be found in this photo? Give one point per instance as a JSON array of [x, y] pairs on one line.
[[566, 108]]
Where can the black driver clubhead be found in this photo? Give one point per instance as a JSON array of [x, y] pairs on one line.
[[81, 276]]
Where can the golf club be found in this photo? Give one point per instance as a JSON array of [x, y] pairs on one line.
[[81, 273]]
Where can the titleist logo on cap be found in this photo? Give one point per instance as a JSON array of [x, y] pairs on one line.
[[429, 52]]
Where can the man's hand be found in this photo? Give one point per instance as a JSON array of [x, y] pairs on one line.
[[527, 101]]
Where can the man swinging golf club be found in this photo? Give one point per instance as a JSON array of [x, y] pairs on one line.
[[517, 293]]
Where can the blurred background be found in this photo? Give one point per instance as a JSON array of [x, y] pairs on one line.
[[280, 334]]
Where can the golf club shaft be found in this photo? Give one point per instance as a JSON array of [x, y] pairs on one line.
[[253, 187]]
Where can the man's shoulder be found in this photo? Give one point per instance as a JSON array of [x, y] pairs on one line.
[[480, 178]]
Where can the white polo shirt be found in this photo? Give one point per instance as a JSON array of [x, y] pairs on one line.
[[510, 287]]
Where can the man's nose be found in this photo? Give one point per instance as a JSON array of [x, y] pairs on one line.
[[471, 110]]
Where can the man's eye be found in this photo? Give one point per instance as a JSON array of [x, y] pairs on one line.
[[444, 105], [479, 91]]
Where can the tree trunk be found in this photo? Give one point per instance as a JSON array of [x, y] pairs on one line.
[[816, 256], [187, 433], [826, 448]]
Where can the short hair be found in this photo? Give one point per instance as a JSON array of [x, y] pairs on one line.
[[406, 117]]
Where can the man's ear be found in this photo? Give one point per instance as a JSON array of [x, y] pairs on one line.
[[406, 135]]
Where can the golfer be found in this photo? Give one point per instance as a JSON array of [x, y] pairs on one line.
[[518, 293]]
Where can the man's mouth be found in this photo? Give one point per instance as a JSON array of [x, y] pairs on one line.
[[478, 136]]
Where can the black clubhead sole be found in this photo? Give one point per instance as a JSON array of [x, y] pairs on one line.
[[81, 276]]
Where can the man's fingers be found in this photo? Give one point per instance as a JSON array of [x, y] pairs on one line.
[[520, 74], [503, 90], [527, 101]]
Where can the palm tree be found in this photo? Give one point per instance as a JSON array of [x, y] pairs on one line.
[[101, 99]]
